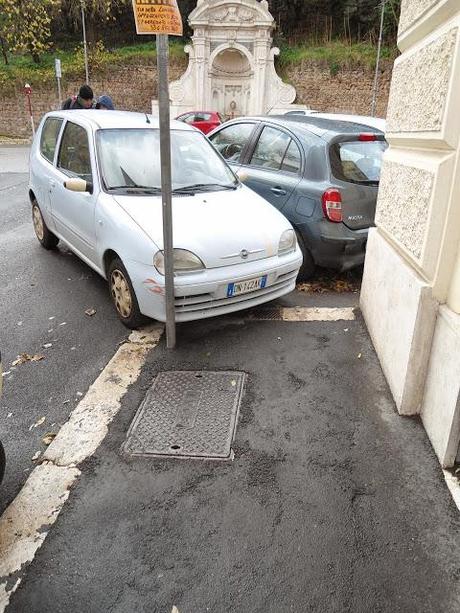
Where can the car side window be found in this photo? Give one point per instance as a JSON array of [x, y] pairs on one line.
[[49, 136], [271, 149], [74, 157], [189, 118], [230, 141], [202, 117], [292, 160]]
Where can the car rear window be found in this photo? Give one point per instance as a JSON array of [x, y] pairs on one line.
[[357, 161], [49, 136]]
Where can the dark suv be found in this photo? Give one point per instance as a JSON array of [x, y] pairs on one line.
[[322, 174]]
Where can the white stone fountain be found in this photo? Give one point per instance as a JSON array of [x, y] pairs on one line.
[[231, 62]]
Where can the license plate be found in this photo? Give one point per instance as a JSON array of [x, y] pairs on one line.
[[243, 287]]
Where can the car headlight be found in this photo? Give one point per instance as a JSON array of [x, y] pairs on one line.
[[288, 242], [184, 262]]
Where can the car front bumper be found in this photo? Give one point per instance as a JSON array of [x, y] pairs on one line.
[[204, 294]]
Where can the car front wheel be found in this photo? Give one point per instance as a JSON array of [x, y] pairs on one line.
[[45, 237], [124, 297]]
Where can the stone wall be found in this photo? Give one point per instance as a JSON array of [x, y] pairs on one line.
[[348, 91], [133, 87], [410, 295]]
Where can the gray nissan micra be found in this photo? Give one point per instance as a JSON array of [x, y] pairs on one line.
[[322, 174]]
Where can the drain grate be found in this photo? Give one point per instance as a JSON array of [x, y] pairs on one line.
[[273, 313], [187, 414]]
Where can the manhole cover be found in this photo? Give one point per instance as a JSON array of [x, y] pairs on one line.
[[187, 414]]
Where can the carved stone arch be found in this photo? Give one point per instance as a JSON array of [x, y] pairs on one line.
[[234, 46]]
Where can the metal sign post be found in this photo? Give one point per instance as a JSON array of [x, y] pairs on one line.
[[377, 64], [57, 68], [162, 17], [28, 93], [85, 46], [166, 186]]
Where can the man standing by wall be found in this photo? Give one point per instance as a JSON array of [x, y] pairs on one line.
[[84, 100]]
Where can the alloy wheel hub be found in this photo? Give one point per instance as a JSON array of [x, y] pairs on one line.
[[121, 293]]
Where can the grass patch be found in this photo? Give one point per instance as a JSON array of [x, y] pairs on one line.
[[22, 69], [335, 55]]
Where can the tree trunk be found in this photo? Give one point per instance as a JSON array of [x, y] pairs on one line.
[[4, 53]]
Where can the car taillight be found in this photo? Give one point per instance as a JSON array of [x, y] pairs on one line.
[[332, 205], [367, 136]]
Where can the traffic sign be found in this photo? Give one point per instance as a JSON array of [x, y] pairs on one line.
[[57, 68], [157, 17]]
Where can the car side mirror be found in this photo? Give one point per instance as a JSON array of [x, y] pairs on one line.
[[75, 184]]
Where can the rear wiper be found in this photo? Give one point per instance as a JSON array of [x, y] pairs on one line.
[[205, 187]]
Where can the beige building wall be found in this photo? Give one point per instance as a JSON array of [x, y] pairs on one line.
[[411, 288]]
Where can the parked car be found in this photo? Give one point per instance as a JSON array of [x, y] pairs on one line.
[[322, 174], [95, 184], [203, 120], [2, 451], [366, 120]]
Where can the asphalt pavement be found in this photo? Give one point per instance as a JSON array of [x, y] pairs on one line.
[[43, 298], [333, 502]]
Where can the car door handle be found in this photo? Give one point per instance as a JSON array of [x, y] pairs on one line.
[[278, 191]]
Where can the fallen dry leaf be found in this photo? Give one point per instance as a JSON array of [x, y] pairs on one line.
[[49, 438], [360, 355], [36, 456], [90, 312], [37, 423], [25, 357]]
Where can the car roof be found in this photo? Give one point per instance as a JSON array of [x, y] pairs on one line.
[[326, 129], [117, 119]]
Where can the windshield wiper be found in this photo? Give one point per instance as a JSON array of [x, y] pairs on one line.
[[199, 187], [146, 189]]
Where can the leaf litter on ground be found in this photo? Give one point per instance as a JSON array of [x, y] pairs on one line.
[[26, 357], [331, 281], [49, 438]]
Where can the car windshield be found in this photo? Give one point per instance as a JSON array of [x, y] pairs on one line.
[[129, 160], [358, 161]]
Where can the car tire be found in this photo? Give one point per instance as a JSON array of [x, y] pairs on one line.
[[308, 266], [123, 296], [2, 461], [45, 237]]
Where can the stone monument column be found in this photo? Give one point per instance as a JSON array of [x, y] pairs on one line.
[[411, 287]]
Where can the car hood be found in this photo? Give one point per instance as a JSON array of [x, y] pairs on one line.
[[216, 226]]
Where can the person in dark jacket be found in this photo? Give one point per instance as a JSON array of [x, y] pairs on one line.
[[84, 100], [105, 103]]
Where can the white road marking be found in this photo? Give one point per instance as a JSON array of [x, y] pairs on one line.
[[317, 314], [26, 522], [454, 487], [305, 314]]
